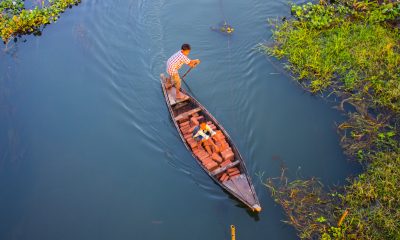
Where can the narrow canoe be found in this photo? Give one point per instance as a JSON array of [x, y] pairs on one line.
[[227, 167]]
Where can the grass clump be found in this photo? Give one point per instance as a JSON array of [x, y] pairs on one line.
[[16, 20], [374, 198], [337, 52], [350, 49]]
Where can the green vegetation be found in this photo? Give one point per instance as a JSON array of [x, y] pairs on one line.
[[15, 20], [350, 49]]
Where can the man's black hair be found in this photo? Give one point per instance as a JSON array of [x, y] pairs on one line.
[[202, 121], [185, 46]]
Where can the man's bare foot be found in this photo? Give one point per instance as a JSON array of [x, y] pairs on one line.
[[168, 85], [180, 96]]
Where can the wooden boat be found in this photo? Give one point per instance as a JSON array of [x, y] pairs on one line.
[[225, 165]]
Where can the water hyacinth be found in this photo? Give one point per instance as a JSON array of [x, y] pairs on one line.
[[16, 20]]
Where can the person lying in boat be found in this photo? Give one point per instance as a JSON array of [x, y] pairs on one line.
[[203, 133], [174, 63]]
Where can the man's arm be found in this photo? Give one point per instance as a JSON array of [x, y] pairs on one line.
[[193, 63], [201, 133]]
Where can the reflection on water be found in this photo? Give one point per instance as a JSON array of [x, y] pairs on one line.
[[11, 148], [81, 35]]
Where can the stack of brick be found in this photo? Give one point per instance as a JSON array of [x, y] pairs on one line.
[[211, 160], [224, 177], [206, 159], [220, 141], [233, 172], [182, 120], [227, 157], [216, 157]]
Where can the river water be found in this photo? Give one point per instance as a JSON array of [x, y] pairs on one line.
[[87, 148]]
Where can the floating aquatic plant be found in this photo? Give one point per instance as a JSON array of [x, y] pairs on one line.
[[16, 20]]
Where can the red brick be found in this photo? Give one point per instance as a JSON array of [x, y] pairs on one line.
[[223, 145], [208, 149], [201, 153], [225, 178], [211, 166], [234, 173], [185, 123], [185, 127], [194, 122], [228, 150], [203, 156], [224, 175], [186, 131], [206, 159], [232, 169], [227, 155], [219, 146], [192, 144], [220, 134], [195, 114], [216, 157], [190, 139], [183, 120]]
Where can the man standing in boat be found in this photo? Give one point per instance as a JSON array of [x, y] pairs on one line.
[[174, 63]]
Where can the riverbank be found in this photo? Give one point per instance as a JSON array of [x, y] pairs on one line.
[[350, 50], [17, 20]]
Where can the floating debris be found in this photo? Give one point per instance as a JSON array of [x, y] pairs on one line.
[[224, 28]]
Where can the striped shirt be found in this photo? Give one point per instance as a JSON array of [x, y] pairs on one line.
[[175, 62]]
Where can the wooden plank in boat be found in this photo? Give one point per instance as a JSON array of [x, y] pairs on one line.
[[220, 170], [186, 114], [180, 105], [172, 96], [241, 186]]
